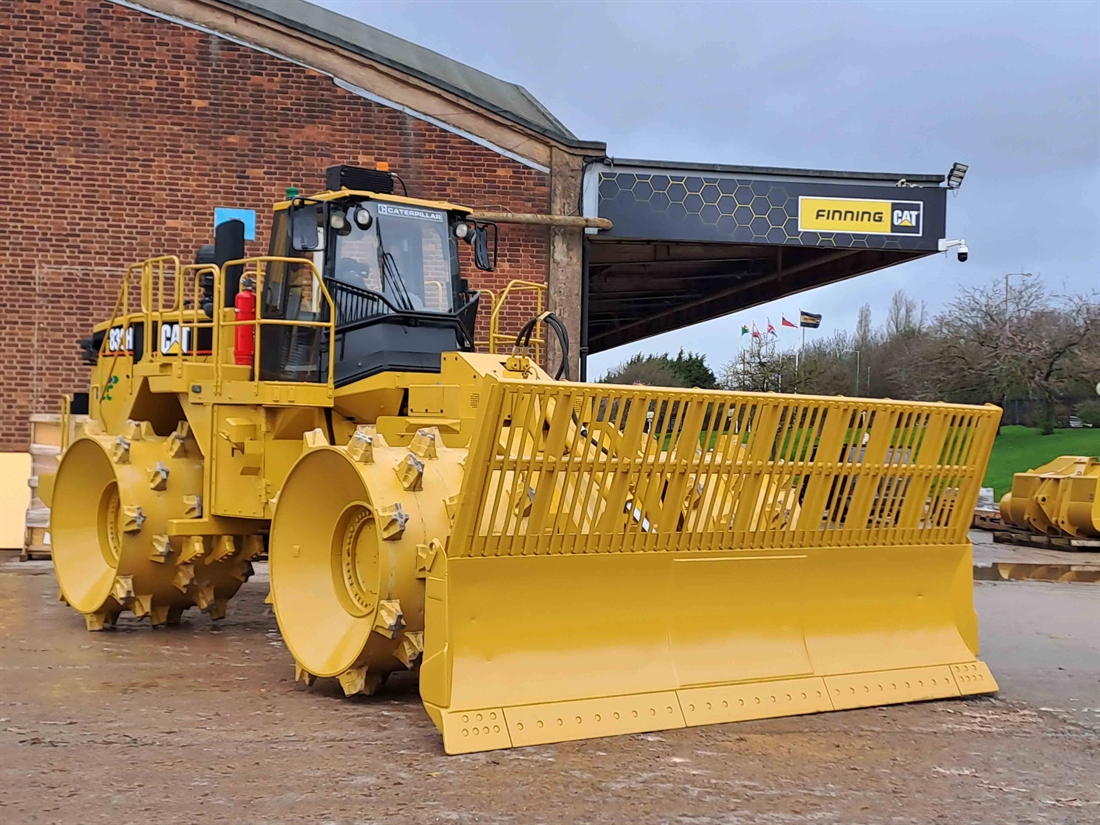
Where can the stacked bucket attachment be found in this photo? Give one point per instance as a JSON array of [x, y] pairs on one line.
[[609, 560], [120, 509], [1060, 498]]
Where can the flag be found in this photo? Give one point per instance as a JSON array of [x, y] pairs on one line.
[[755, 331], [787, 323], [744, 329], [808, 319], [771, 329]]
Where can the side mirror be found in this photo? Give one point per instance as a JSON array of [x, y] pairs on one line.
[[483, 259], [305, 220]]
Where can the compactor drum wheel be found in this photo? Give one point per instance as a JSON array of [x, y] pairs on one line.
[[113, 498], [352, 530]]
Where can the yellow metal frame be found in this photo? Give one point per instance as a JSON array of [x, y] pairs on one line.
[[869, 475], [66, 418], [121, 311], [496, 337], [163, 296], [259, 322], [154, 277]]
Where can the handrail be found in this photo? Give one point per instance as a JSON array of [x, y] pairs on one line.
[[179, 309], [259, 321], [157, 268], [492, 303], [196, 324], [122, 304], [66, 418], [441, 295], [516, 286], [152, 276]]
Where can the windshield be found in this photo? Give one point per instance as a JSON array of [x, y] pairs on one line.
[[405, 253]]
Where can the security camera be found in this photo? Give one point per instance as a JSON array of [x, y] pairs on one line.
[[959, 246]]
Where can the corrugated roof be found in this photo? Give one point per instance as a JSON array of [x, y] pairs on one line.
[[510, 100]]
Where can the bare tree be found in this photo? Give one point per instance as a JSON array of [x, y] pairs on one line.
[[864, 331], [760, 368], [905, 316], [1009, 340], [1012, 339]]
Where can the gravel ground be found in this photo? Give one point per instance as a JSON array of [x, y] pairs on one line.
[[205, 722]]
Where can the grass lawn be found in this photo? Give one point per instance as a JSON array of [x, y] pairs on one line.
[[1019, 449]]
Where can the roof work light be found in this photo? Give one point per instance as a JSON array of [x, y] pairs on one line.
[[956, 175]]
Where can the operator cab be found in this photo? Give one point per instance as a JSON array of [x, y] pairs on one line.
[[391, 266]]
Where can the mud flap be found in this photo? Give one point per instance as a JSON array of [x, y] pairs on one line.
[[602, 578]]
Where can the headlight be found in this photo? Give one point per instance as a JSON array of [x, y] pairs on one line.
[[462, 230], [363, 218], [337, 221]]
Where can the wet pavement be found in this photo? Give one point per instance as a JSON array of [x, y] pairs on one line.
[[996, 561], [986, 551], [204, 722], [1042, 641]]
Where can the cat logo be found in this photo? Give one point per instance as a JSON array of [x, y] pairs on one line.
[[860, 217], [906, 217], [174, 340]]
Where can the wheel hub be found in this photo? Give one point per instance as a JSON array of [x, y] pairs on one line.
[[110, 543], [358, 558]]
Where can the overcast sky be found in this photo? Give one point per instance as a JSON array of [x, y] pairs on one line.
[[1013, 89]]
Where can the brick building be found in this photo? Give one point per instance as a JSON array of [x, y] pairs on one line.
[[124, 124]]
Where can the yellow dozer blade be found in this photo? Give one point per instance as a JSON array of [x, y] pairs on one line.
[[1060, 498], [628, 559]]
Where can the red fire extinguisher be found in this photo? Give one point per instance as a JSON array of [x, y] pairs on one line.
[[244, 343]]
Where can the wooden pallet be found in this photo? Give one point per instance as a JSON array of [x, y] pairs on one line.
[[1033, 571], [36, 543], [1022, 538], [987, 520], [38, 553]]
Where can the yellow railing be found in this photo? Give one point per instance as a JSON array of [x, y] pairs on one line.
[[257, 265], [576, 469], [496, 337], [169, 306], [486, 294], [438, 292], [116, 345], [173, 312], [66, 419]]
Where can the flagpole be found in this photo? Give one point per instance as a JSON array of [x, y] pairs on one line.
[[798, 357]]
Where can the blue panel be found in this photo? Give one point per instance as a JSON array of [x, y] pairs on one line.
[[246, 216]]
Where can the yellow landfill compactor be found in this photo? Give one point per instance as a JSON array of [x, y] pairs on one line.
[[559, 560]]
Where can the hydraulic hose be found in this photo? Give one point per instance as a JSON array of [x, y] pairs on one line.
[[523, 339]]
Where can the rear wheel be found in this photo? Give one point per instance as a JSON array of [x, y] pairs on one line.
[[114, 496]]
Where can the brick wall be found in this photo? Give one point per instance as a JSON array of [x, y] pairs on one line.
[[119, 134]]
